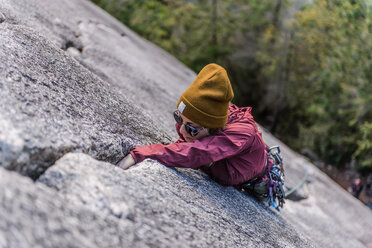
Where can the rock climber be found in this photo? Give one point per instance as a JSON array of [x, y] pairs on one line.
[[215, 136], [356, 187]]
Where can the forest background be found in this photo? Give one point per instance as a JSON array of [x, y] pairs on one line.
[[304, 66]]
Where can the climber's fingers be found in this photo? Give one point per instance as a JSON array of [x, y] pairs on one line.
[[126, 162]]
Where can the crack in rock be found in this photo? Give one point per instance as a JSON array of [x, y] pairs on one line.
[[70, 44], [2, 17]]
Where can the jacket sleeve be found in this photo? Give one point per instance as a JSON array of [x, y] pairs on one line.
[[221, 145]]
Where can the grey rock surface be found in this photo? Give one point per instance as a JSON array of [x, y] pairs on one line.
[[76, 87], [34, 215], [131, 65], [52, 105], [170, 207]]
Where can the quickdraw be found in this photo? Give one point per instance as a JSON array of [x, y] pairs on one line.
[[271, 189], [276, 179]]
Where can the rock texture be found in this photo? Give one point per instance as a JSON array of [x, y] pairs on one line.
[[77, 91], [33, 215], [58, 105], [53, 105], [179, 210]]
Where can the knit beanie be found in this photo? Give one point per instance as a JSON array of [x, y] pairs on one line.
[[206, 100]]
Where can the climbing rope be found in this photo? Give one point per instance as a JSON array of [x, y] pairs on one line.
[[298, 186]]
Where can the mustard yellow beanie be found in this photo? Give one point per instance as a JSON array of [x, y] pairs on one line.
[[206, 101]]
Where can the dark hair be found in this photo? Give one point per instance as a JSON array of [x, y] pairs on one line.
[[215, 130]]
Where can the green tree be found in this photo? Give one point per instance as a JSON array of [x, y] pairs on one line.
[[196, 32], [327, 88]]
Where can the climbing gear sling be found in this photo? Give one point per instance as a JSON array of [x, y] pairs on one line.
[[271, 189]]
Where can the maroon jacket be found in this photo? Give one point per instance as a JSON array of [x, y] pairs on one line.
[[231, 157]]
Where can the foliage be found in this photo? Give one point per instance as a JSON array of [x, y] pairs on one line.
[[328, 90], [196, 32]]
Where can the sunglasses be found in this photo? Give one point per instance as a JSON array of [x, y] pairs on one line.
[[193, 131]]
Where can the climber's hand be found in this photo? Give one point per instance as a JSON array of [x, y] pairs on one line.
[[126, 162]]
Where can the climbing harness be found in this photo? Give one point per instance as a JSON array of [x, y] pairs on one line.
[[271, 189]]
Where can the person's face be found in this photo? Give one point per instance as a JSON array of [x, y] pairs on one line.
[[202, 131]]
